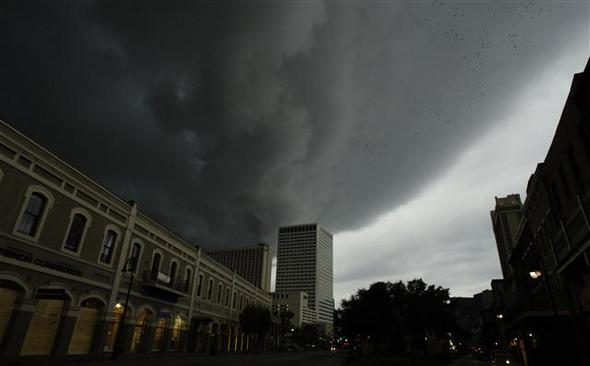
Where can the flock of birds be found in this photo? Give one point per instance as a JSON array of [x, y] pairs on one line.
[[470, 33]]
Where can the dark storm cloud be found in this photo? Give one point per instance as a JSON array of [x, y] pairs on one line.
[[227, 119]]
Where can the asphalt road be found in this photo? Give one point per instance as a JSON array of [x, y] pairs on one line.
[[266, 359], [286, 359], [272, 359], [468, 361]]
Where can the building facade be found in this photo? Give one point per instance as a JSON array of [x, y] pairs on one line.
[[550, 316], [254, 263], [505, 221], [71, 251], [305, 263], [296, 303]]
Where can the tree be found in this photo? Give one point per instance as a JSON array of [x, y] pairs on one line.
[[255, 320], [285, 316], [338, 330], [370, 314], [306, 335], [391, 315]]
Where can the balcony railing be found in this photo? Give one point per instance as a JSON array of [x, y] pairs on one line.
[[576, 229], [560, 246], [164, 282]]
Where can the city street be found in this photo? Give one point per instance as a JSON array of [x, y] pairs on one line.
[[272, 359], [394, 361], [467, 361], [268, 359], [265, 359]]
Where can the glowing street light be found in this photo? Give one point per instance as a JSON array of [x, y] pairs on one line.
[[535, 274]]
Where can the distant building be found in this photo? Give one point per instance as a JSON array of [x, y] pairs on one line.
[[253, 263], [479, 318], [502, 297], [505, 220], [467, 317], [305, 263], [296, 303]]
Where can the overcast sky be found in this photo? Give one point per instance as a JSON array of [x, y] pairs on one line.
[[393, 124]]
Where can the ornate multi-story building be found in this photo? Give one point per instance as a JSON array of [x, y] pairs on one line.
[[71, 252]]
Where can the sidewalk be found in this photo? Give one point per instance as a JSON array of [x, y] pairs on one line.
[[226, 359], [153, 359]]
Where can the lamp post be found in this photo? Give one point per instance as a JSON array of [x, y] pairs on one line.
[[536, 274], [129, 266]]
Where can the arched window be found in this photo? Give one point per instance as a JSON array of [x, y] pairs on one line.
[[134, 257], [76, 232], [200, 285], [113, 327], [83, 333], [156, 264], [31, 218], [241, 301], [140, 331], [108, 247], [188, 274], [234, 300], [173, 269], [219, 289], [210, 289], [177, 333], [227, 292]]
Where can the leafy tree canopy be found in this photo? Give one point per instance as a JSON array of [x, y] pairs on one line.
[[389, 311], [255, 319]]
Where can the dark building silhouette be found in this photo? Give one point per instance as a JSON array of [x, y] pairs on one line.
[[548, 316], [466, 315], [505, 220], [479, 321]]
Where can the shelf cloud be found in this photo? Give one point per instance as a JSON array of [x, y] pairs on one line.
[[226, 119]]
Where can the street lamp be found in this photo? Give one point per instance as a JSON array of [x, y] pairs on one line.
[[535, 274], [129, 266]]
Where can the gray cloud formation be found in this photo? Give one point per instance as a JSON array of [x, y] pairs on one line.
[[227, 119]]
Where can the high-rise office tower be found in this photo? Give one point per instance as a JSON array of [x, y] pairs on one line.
[[253, 263], [505, 222], [305, 263]]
